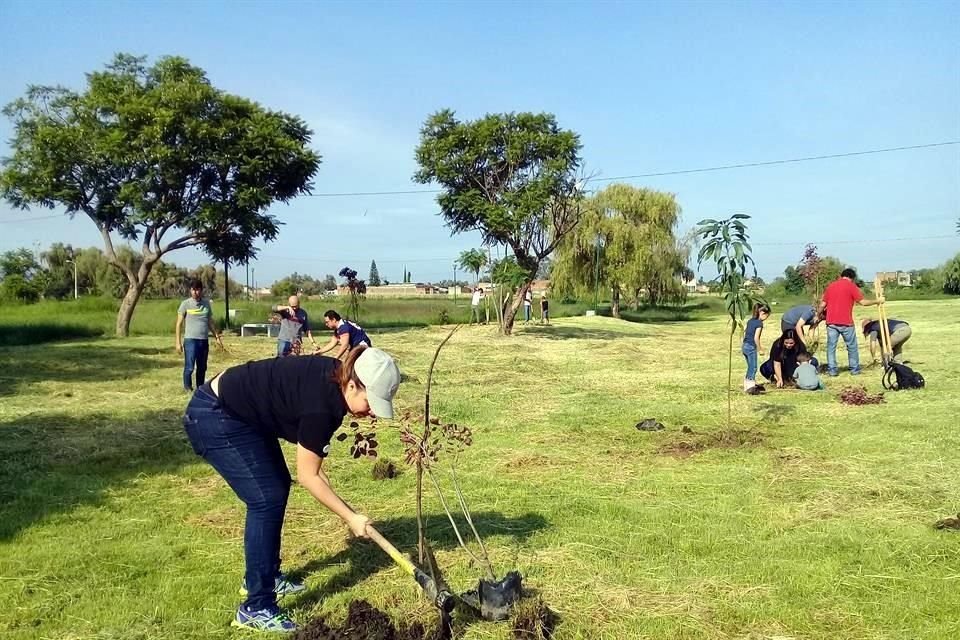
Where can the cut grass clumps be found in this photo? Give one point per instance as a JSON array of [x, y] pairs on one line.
[[534, 620]]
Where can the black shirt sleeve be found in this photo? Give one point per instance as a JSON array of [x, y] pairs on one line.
[[315, 431], [776, 351]]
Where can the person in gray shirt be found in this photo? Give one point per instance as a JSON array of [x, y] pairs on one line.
[[805, 375], [294, 322], [803, 318], [195, 319]]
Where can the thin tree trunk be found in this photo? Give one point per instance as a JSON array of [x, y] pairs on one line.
[[615, 301], [733, 330], [226, 292]]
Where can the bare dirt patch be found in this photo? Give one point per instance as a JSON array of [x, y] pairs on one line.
[[694, 443], [366, 622]]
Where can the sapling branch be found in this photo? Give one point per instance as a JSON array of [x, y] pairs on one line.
[[466, 514], [453, 522], [427, 428]]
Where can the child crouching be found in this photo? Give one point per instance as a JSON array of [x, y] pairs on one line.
[[806, 375]]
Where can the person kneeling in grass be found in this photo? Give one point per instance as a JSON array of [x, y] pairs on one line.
[[805, 375], [235, 421]]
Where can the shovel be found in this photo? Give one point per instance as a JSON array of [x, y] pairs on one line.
[[439, 594], [491, 600]]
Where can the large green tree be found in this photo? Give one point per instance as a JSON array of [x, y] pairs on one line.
[[513, 177], [625, 238], [157, 155]]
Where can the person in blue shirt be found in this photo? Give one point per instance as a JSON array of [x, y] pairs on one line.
[[752, 346], [346, 335]]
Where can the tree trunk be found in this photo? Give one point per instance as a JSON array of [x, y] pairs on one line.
[[733, 330], [636, 300], [510, 313], [125, 314], [615, 301]]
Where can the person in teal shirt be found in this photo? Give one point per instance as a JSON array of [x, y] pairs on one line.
[[195, 320]]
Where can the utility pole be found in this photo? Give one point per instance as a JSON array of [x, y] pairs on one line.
[[248, 279], [454, 284], [75, 291], [226, 290]]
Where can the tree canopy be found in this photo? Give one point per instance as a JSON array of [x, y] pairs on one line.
[[514, 177], [156, 154], [628, 231]]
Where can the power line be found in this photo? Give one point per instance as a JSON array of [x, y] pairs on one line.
[[725, 167], [868, 241], [767, 163], [341, 261], [17, 220]]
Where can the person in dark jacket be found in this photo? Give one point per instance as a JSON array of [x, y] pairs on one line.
[[779, 368], [235, 422]]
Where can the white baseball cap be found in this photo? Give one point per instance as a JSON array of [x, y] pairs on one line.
[[381, 377]]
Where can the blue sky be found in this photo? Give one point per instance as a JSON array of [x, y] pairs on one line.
[[648, 86]]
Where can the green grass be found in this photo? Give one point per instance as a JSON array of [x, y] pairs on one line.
[[818, 526], [54, 320]]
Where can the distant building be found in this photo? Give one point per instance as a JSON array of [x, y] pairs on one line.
[[901, 278]]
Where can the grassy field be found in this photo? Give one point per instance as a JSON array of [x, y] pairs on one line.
[[55, 320], [809, 519]]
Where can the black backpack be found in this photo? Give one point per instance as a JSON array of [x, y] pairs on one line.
[[899, 376]]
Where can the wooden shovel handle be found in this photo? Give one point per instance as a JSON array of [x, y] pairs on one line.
[[402, 561]]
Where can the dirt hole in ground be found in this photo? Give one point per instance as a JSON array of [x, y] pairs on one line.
[[726, 439], [534, 620], [366, 622]]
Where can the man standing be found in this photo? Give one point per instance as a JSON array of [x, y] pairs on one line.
[[475, 305], [293, 323], [839, 298], [527, 305], [803, 319], [900, 332], [346, 335], [199, 324]]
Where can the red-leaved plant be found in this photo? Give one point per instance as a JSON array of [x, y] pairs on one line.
[[859, 396]]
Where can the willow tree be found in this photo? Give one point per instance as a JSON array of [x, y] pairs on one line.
[[623, 244], [512, 176], [156, 154]]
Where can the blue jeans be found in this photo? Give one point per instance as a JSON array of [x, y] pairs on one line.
[[195, 354], [526, 313], [750, 353], [252, 463], [284, 347], [834, 332]]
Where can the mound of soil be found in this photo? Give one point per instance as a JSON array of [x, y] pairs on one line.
[[366, 622], [534, 620], [384, 469], [948, 523]]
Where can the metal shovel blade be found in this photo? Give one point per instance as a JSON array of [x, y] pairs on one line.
[[493, 600]]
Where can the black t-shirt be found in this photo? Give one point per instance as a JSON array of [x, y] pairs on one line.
[[786, 357], [290, 398]]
